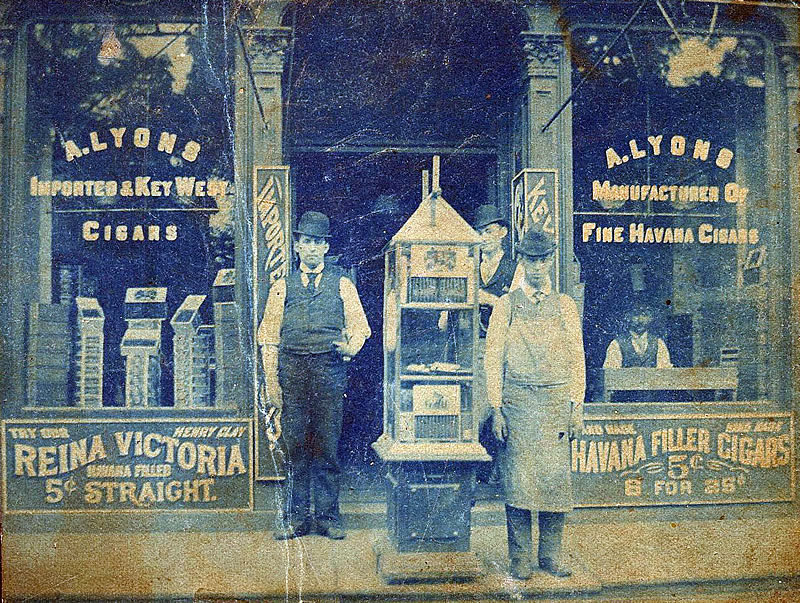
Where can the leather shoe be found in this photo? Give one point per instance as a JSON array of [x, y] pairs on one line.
[[554, 569], [520, 569], [332, 532], [292, 531]]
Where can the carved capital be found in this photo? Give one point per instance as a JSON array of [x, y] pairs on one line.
[[267, 47], [789, 57], [542, 53]]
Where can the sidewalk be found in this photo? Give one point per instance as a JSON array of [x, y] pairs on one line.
[[251, 564]]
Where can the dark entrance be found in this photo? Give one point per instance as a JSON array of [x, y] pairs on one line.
[[372, 93], [369, 197]]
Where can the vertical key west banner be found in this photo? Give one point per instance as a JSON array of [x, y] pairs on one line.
[[145, 465]]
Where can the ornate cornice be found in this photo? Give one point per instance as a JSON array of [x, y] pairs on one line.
[[267, 47], [789, 57], [542, 53]]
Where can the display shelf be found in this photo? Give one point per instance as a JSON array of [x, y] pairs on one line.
[[431, 326], [430, 442]]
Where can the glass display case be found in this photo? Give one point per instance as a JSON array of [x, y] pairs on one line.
[[430, 441], [430, 333]]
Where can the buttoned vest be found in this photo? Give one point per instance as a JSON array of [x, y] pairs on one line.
[[313, 317], [631, 358]]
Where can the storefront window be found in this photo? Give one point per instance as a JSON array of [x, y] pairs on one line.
[[670, 213], [129, 154]]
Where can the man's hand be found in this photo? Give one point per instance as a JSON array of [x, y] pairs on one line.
[[499, 426], [273, 394], [346, 349], [576, 423]]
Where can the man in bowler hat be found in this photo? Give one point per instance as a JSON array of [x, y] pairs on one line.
[[496, 267], [313, 324], [496, 274], [535, 371]]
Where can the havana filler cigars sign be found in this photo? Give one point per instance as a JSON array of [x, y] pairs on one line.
[[688, 459], [99, 465]]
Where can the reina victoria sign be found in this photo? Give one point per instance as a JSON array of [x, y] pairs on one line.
[[108, 465]]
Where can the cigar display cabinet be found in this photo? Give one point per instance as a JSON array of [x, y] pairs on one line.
[[429, 444]]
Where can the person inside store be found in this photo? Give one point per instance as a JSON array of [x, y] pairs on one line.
[[637, 346], [313, 325], [496, 274], [536, 380]]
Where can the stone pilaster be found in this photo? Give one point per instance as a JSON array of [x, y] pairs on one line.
[[6, 51], [267, 47], [264, 53], [10, 333], [789, 59], [548, 85], [266, 50]]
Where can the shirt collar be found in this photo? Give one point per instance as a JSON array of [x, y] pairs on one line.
[[536, 292], [495, 258], [306, 270], [489, 265]]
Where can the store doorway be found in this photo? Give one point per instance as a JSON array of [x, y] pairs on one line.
[[369, 197], [371, 93]]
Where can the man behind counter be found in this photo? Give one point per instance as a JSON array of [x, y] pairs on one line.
[[313, 323], [497, 267], [496, 274], [637, 347]]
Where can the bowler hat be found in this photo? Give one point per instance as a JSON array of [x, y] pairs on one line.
[[314, 224], [536, 243], [487, 214]]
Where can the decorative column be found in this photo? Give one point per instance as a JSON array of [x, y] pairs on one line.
[[259, 140], [548, 85], [260, 114], [6, 47], [266, 53], [11, 365]]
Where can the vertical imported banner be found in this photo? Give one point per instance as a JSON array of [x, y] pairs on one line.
[[272, 218], [534, 204]]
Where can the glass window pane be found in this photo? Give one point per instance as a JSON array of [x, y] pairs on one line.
[[129, 143], [670, 198]]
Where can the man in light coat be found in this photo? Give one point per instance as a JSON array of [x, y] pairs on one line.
[[535, 371]]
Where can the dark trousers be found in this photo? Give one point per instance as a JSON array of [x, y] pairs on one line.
[[313, 386], [520, 539]]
